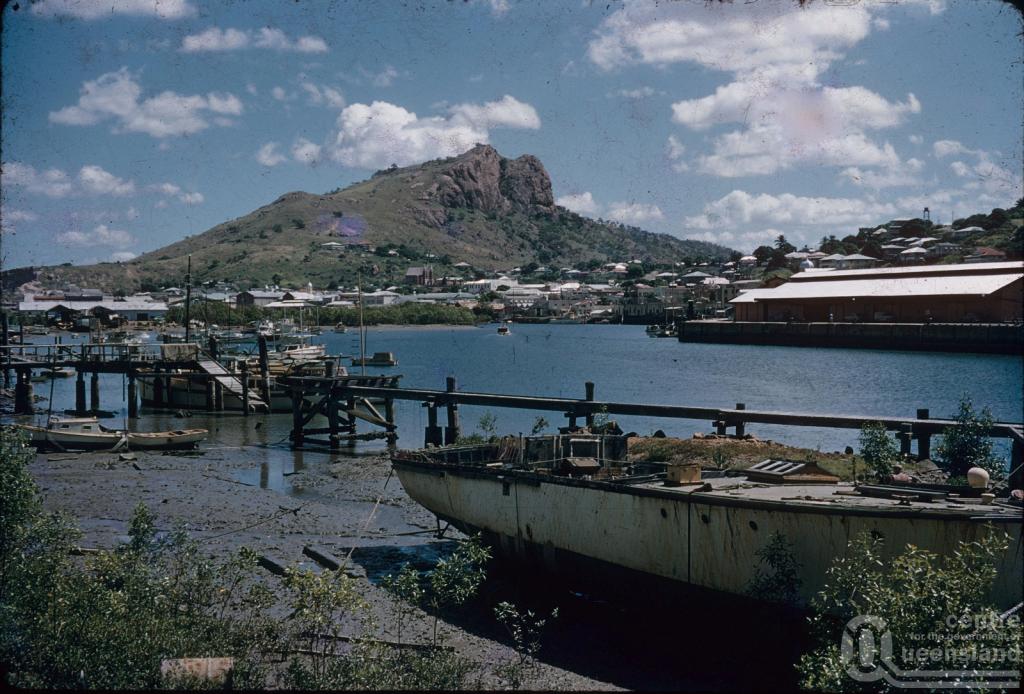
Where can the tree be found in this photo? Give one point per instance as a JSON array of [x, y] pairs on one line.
[[872, 249], [763, 254], [781, 244], [634, 271]]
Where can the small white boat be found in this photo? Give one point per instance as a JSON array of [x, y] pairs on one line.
[[503, 329], [86, 433], [340, 328]]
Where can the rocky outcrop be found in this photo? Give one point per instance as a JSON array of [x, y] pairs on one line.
[[482, 179]]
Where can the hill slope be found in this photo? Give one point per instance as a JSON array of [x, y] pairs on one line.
[[479, 207]]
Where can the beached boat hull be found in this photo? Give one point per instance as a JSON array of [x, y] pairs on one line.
[[689, 539], [101, 439]]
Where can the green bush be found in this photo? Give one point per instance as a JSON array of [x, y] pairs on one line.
[[878, 449], [940, 605], [968, 445]]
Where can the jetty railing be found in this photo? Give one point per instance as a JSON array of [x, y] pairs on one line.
[[919, 428]]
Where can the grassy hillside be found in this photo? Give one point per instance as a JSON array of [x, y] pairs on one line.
[[436, 208]]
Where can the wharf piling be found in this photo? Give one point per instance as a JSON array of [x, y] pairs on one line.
[[907, 430]]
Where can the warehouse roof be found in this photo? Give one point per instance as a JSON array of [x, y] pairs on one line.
[[917, 271], [956, 285]]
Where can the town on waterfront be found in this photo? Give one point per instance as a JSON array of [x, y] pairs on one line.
[[419, 431]]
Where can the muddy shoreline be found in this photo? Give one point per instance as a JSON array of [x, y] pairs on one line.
[[353, 507]]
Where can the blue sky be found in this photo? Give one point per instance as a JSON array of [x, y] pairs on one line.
[[129, 124]]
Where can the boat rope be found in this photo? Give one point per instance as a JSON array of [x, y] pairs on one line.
[[277, 515], [362, 530]]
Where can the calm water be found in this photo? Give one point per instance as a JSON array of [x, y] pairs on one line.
[[626, 365]]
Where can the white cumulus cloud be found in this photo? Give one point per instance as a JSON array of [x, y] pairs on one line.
[[580, 203], [53, 183], [220, 40], [101, 235], [306, 152], [776, 53], [269, 156], [122, 256], [379, 134], [117, 96], [94, 179], [634, 212]]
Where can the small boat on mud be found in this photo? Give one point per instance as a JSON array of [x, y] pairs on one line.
[[573, 504], [86, 433]]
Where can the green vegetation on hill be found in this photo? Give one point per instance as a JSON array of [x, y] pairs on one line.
[[479, 208]]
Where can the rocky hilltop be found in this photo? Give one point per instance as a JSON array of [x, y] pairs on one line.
[[479, 207]]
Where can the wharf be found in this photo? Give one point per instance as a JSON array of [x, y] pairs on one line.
[[989, 338]]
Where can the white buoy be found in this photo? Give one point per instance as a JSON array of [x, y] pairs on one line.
[[977, 478]]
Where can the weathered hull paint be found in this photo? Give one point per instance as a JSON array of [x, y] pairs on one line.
[[692, 539]]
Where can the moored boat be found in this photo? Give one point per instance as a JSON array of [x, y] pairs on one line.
[[86, 433], [378, 359], [503, 329], [569, 502]]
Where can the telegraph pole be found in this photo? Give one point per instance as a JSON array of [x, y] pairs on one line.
[[188, 300]]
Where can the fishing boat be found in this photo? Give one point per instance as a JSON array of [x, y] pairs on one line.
[[340, 328], [652, 330], [573, 505], [378, 359], [504, 329], [86, 433]]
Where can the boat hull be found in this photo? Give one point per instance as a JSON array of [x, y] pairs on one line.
[[690, 540], [108, 440]]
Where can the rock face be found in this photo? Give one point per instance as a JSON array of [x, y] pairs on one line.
[[482, 179]]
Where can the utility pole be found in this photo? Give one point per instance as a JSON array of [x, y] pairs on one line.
[[188, 301]]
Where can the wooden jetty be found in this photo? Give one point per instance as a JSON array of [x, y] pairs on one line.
[[155, 362], [338, 396]]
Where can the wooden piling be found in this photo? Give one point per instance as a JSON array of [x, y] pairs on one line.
[[350, 404], [261, 342], [296, 417], [1016, 478], [133, 399], [23, 392], [334, 436], [80, 393], [924, 439], [211, 404], [432, 435], [740, 426], [158, 391], [94, 391], [905, 436], [218, 396], [588, 389], [389, 417], [451, 432], [243, 368]]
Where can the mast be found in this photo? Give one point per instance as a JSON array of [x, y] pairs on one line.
[[188, 300], [362, 330]]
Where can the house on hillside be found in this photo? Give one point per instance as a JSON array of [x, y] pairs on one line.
[[985, 254]]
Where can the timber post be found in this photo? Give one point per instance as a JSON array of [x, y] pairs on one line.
[[740, 426], [451, 432], [5, 326], [211, 403], [332, 421], [23, 392], [133, 400], [720, 427], [218, 396], [350, 404], [924, 440], [389, 417], [213, 348], [588, 388], [94, 391], [432, 435], [243, 368], [264, 369], [80, 393], [158, 391], [905, 436], [296, 417], [1016, 479]]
